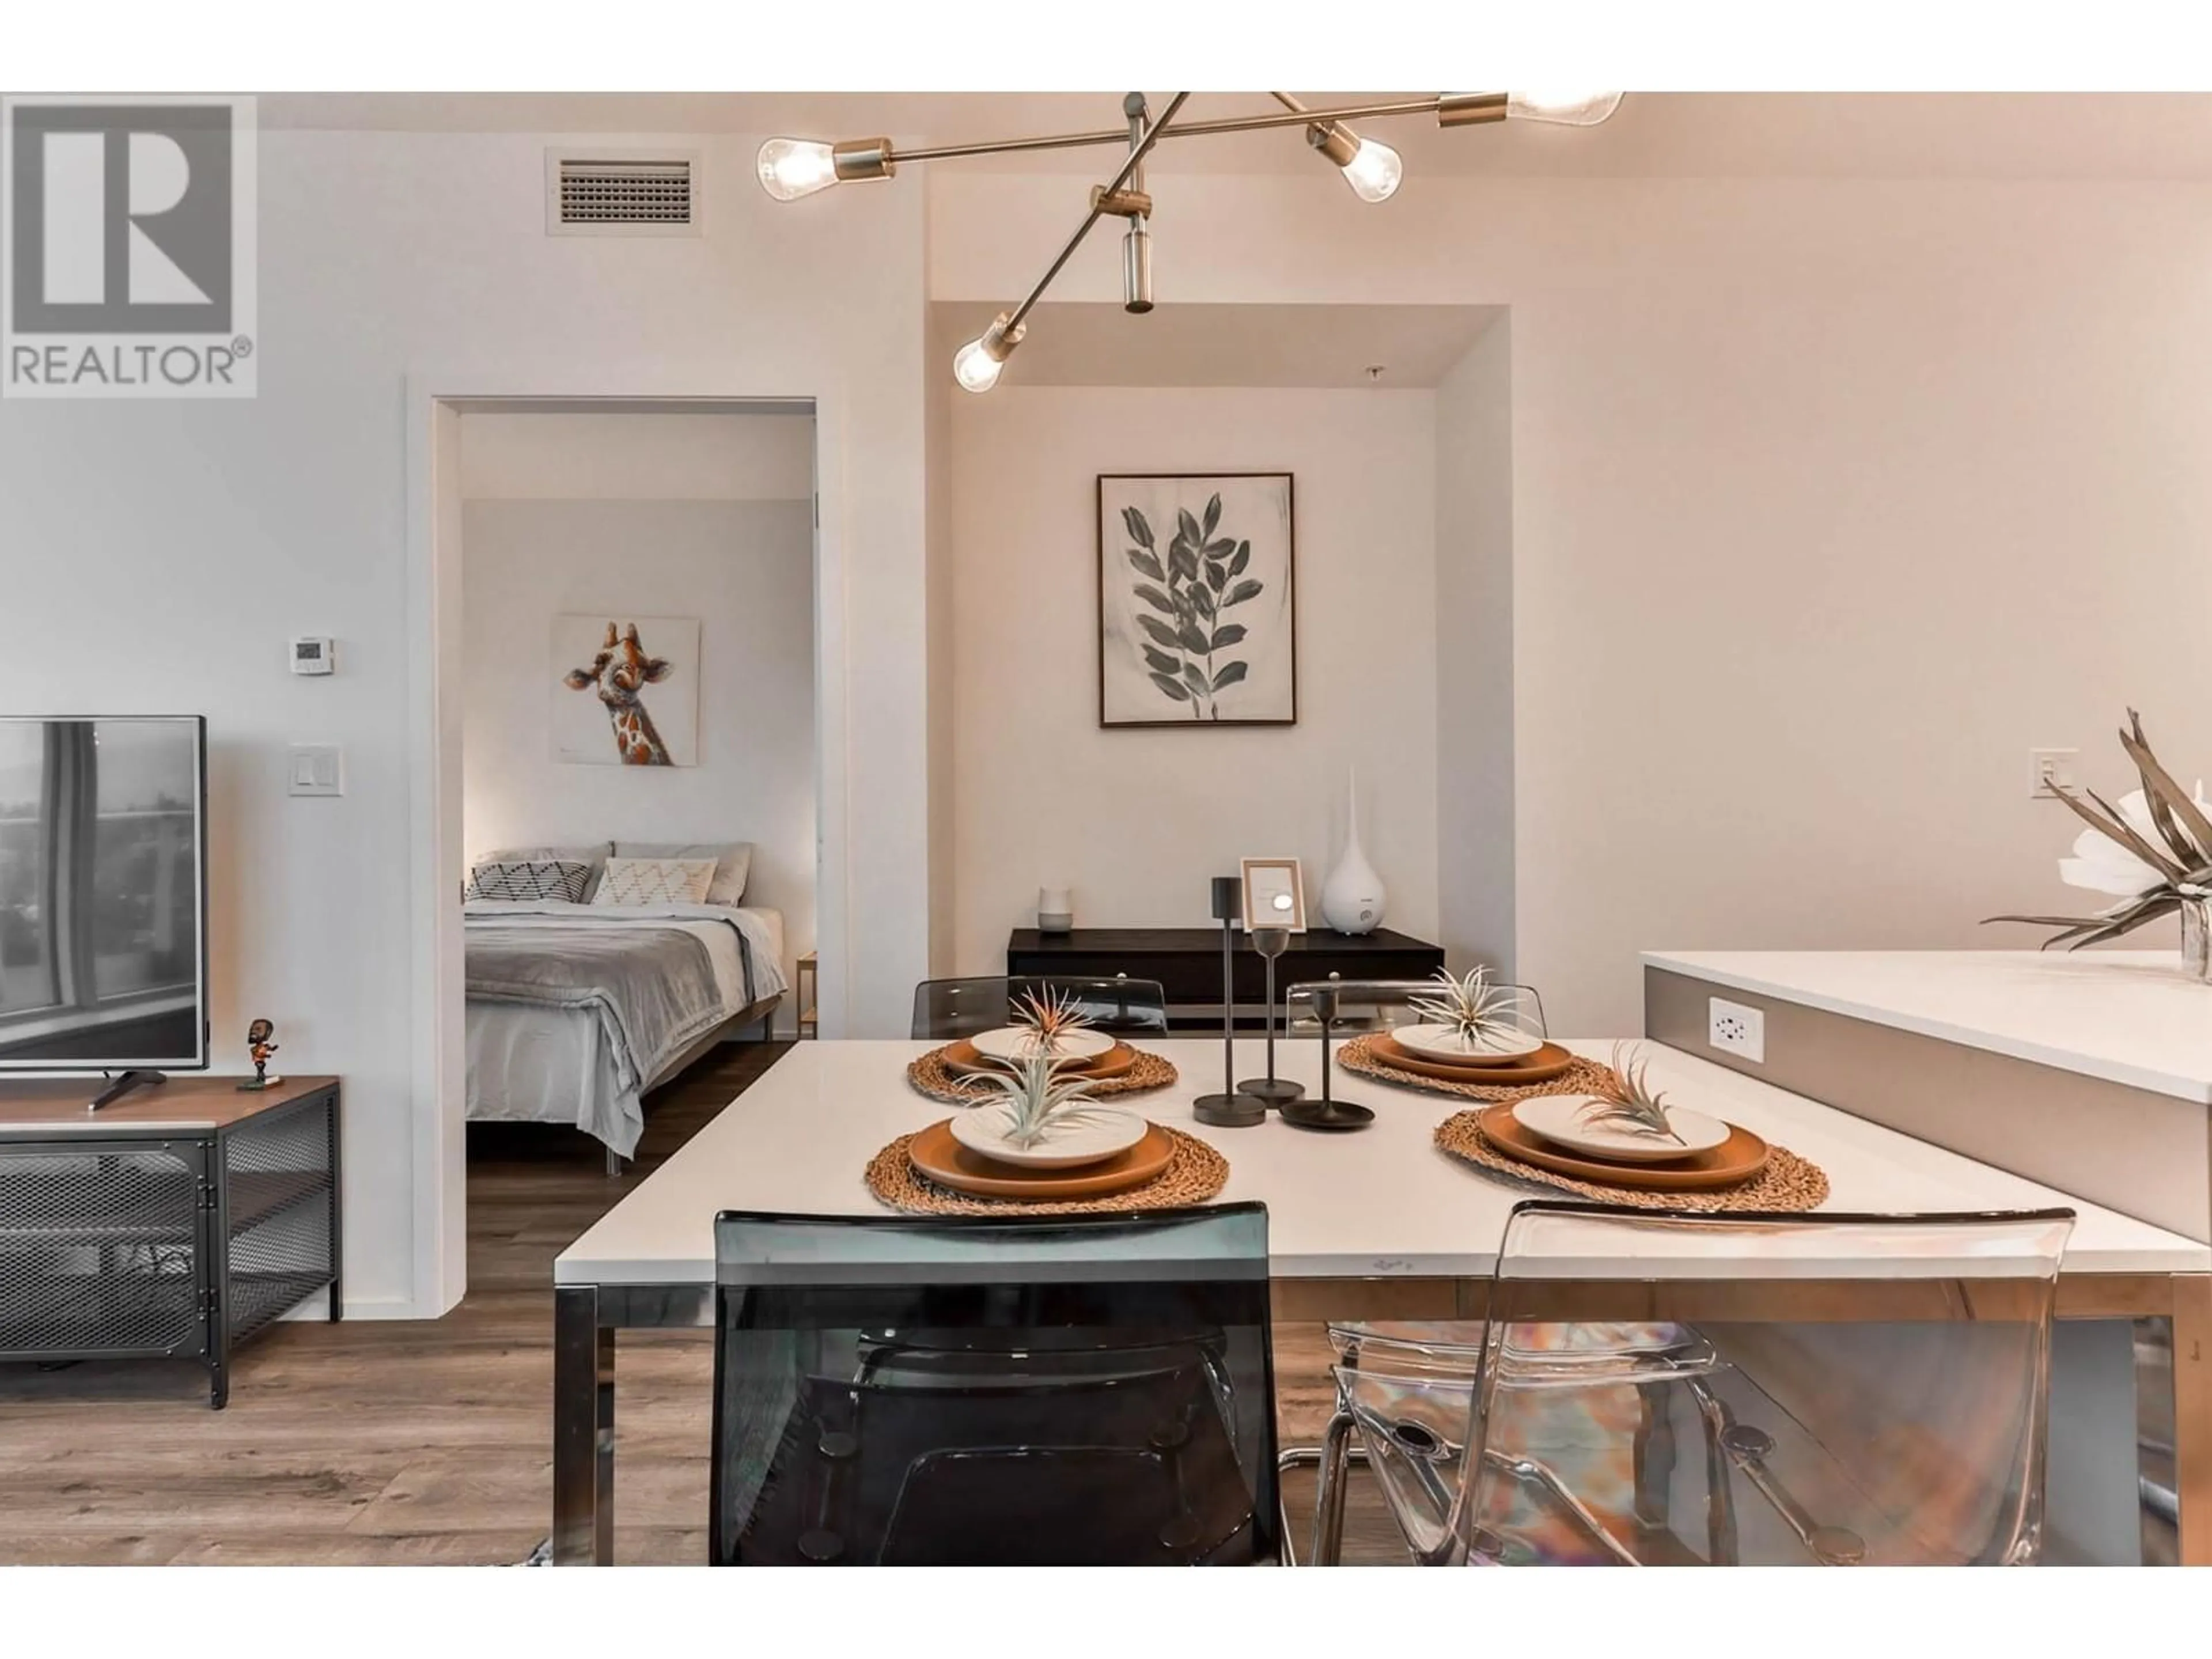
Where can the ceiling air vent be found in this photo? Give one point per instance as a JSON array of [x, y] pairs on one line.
[[622, 193]]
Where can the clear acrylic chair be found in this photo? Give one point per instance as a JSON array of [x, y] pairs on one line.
[[947, 1009], [1327, 1011], [1839, 1389], [919, 1391]]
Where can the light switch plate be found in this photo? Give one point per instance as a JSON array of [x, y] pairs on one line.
[[316, 768], [2049, 766]]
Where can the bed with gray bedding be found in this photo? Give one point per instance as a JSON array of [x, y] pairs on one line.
[[576, 1011]]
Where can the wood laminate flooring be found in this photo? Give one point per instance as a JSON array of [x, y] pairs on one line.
[[371, 1442]]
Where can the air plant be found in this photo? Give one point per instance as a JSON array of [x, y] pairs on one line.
[[1625, 1099], [1035, 1098], [1480, 1013], [2154, 849], [1051, 1017]]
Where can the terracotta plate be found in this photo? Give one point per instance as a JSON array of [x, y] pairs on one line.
[[1547, 1062], [936, 1154], [1117, 1062], [1734, 1162]]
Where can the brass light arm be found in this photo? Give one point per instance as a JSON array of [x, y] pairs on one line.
[[1137, 154], [1292, 117]]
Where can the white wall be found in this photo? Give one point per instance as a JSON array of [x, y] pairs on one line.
[[177, 545], [637, 455], [1474, 656], [1136, 821], [1830, 499]]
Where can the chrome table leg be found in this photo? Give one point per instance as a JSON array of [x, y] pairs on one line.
[[583, 1429]]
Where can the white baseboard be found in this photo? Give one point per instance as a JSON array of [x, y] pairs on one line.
[[316, 1309]]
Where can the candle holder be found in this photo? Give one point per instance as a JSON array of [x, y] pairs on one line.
[[1270, 943], [1328, 1112], [1231, 1109]]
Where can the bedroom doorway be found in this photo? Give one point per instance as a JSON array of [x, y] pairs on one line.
[[626, 677]]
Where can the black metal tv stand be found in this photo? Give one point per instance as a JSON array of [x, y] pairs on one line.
[[119, 1086], [174, 1226]]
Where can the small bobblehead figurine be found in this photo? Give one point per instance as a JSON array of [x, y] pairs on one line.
[[258, 1046]]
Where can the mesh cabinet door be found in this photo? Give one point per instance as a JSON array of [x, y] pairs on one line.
[[279, 1213], [101, 1249]]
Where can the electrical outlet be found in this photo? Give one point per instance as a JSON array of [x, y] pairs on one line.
[[2047, 766], [1736, 1030]]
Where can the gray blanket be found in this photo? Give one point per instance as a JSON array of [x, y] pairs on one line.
[[652, 988]]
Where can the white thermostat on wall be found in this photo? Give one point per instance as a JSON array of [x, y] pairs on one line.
[[312, 656]]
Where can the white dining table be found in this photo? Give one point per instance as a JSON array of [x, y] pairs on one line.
[[1376, 1222]]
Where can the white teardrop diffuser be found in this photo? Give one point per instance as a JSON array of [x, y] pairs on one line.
[[1351, 898]]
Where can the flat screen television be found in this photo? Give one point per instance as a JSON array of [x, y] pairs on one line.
[[103, 894]]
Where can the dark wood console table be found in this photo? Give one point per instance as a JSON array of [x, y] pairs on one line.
[[1187, 962], [173, 1224]]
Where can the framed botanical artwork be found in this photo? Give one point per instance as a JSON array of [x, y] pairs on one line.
[[1274, 893], [625, 690], [1197, 600]]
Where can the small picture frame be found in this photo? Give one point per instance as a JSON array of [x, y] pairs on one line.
[[1274, 893]]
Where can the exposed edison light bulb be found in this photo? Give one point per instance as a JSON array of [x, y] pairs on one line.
[[977, 365], [1566, 109], [1374, 171], [793, 167], [977, 369]]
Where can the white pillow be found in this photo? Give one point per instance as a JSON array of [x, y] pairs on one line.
[[655, 881], [733, 862]]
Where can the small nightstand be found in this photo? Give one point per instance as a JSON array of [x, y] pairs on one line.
[[809, 996]]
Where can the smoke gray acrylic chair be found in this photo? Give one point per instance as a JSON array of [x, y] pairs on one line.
[[1841, 1389], [947, 1009], [923, 1390]]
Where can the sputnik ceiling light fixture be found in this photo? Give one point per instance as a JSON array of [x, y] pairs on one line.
[[794, 167]]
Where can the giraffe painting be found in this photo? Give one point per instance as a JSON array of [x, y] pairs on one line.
[[619, 672]]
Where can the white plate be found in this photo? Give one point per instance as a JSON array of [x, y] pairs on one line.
[[1443, 1043], [1020, 1042], [1558, 1119], [1103, 1132]]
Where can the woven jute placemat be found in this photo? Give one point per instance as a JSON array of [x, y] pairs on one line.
[[1788, 1181], [931, 1076], [1358, 1055], [1194, 1174]]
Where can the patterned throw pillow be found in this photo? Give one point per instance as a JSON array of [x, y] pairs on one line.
[[655, 881], [526, 879]]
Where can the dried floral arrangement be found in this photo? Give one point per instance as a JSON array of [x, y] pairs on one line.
[[1037, 1100], [2153, 850], [1051, 1016], [1625, 1099], [1472, 1008]]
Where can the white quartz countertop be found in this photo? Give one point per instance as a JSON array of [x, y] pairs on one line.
[[1380, 1203], [2129, 1017]]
